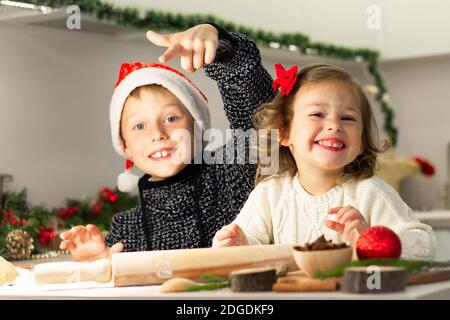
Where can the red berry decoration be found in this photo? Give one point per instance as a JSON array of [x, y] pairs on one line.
[[378, 243]]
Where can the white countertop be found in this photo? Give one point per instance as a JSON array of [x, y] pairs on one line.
[[433, 214], [25, 288], [435, 218]]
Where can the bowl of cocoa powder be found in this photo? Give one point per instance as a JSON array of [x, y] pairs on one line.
[[321, 255]]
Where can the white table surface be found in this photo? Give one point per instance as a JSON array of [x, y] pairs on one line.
[[439, 220], [433, 214], [435, 218], [26, 288]]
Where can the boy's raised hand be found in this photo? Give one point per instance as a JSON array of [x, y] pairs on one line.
[[349, 222], [230, 235], [85, 243], [196, 46]]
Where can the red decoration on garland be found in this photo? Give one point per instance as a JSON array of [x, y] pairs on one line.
[[11, 218], [285, 79], [107, 194], [426, 166], [45, 236], [67, 213], [104, 193], [96, 208], [377, 243], [112, 198]]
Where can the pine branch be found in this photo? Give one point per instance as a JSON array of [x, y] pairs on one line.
[[213, 278], [412, 266], [208, 286]]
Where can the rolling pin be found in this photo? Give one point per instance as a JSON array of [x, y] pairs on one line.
[[155, 267]]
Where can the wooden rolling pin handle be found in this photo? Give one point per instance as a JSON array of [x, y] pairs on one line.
[[67, 272]]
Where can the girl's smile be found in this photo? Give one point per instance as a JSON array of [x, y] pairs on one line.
[[325, 133], [331, 144]]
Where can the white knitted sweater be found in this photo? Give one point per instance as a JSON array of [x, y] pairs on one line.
[[280, 211]]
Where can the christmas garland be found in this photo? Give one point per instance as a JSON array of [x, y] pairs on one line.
[[156, 20], [27, 230]]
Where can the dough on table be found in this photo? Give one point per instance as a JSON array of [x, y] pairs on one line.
[[8, 272]]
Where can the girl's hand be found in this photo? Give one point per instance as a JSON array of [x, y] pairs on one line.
[[230, 235], [349, 222], [86, 244], [196, 46]]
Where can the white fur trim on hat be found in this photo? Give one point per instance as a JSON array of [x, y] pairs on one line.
[[184, 90]]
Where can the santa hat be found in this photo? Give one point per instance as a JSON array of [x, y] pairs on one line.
[[136, 74]]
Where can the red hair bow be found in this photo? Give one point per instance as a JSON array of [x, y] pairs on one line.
[[426, 167], [285, 79]]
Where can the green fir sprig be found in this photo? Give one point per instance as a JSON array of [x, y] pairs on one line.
[[213, 282], [412, 266], [213, 278], [208, 286]]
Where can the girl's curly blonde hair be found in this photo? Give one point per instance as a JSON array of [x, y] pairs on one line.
[[278, 114]]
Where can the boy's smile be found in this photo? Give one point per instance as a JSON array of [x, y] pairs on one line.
[[158, 132], [161, 154]]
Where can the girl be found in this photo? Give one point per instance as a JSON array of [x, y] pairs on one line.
[[325, 183]]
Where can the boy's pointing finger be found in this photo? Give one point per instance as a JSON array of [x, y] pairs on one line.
[[169, 54]]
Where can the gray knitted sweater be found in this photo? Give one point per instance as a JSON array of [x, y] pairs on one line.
[[186, 210]]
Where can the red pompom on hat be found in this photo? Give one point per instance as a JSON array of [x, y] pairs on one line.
[[126, 181], [136, 74]]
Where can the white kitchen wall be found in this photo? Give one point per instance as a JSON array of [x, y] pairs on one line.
[[408, 28], [55, 88], [420, 94]]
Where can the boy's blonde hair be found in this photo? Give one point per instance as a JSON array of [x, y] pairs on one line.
[[278, 114], [136, 93]]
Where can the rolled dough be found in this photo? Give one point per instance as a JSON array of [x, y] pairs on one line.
[[8, 272]]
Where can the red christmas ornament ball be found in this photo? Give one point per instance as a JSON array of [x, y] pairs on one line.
[[377, 243]]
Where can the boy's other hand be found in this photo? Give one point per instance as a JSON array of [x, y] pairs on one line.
[[196, 46], [85, 243]]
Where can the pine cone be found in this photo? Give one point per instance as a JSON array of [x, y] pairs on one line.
[[19, 244]]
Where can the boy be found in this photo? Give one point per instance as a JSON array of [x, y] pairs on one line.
[[183, 203]]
